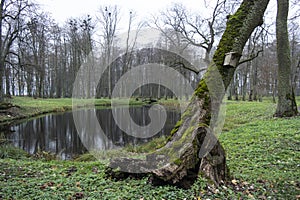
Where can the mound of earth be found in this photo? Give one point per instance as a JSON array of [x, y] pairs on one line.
[[10, 110]]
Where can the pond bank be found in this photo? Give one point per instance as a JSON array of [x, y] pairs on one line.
[[62, 133], [28, 107]]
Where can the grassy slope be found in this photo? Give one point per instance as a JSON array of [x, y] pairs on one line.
[[263, 157]]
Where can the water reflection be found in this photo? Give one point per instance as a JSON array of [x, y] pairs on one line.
[[57, 133]]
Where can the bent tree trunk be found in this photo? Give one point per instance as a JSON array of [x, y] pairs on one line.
[[193, 149]]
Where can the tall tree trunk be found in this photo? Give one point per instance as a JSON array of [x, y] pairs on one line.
[[255, 80], [13, 82], [231, 90], [7, 80], [245, 81], [286, 106], [246, 71], [193, 148], [2, 58], [236, 86]]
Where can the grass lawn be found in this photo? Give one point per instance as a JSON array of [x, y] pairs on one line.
[[263, 155]]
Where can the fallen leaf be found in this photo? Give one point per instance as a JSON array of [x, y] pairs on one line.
[[245, 183], [234, 182]]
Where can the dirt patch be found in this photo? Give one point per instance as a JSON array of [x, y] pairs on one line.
[[11, 112]]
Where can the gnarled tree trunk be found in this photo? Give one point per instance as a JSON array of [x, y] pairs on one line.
[[193, 148]]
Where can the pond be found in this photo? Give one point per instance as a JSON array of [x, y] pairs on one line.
[[57, 133]]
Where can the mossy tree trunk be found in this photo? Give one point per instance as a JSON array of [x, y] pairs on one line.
[[286, 106], [193, 147]]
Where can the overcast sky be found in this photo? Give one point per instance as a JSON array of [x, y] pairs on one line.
[[61, 10]]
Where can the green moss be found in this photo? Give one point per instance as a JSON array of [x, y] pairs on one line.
[[187, 113], [234, 25], [151, 146], [188, 132], [176, 127], [173, 152], [203, 125], [178, 161], [202, 89], [202, 92]]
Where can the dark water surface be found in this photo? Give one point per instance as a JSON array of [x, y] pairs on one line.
[[56, 133]]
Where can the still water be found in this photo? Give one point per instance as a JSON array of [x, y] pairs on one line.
[[57, 133]]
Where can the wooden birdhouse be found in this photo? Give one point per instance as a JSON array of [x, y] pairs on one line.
[[231, 59]]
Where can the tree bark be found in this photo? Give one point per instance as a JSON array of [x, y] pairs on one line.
[[286, 106], [2, 59], [193, 148]]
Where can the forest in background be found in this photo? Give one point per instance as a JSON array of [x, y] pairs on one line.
[[41, 58]]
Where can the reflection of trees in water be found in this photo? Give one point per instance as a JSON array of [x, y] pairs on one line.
[[51, 133], [57, 132]]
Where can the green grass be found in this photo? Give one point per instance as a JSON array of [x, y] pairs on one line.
[[30, 107], [242, 112], [68, 180], [9, 151], [261, 149], [263, 155]]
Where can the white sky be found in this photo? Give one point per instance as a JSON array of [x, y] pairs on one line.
[[61, 10]]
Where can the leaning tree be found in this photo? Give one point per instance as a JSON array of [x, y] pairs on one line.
[[193, 148]]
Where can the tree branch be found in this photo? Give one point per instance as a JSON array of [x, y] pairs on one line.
[[251, 58]]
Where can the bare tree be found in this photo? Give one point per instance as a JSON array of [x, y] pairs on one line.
[[10, 13], [131, 41], [295, 53], [108, 18], [38, 37], [87, 27], [286, 106], [56, 62], [193, 30]]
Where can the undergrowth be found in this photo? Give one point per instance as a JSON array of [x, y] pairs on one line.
[[263, 155]]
